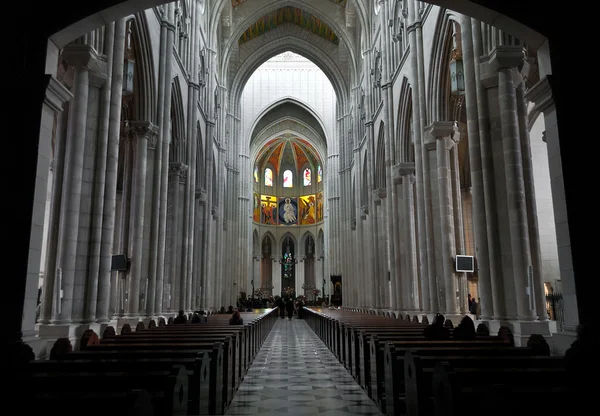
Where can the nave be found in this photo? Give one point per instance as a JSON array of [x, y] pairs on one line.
[[295, 373]]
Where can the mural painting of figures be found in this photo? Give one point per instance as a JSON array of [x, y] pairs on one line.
[[307, 208], [268, 215], [256, 208], [319, 209], [288, 211]]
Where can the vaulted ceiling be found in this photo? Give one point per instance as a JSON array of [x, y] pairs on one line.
[[286, 151], [293, 15]]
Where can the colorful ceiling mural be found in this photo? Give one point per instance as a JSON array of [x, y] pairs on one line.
[[289, 15], [287, 150]]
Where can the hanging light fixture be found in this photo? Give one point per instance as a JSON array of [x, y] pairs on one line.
[[128, 65]]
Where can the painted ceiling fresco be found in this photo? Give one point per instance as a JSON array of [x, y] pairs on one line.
[[289, 15], [287, 150]]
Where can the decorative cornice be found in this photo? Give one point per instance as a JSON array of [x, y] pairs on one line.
[[56, 94], [541, 95]]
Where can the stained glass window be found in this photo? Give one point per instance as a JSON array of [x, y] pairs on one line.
[[268, 177], [307, 177], [256, 174], [319, 174], [288, 179]]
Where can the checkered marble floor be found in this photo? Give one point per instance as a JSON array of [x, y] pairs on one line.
[[294, 373]]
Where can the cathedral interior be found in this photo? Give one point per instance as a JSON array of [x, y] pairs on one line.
[[391, 157]]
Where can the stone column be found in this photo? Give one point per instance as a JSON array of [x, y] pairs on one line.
[[445, 132], [110, 182], [425, 235], [177, 173], [56, 96], [275, 277], [411, 285], [472, 104], [142, 134], [541, 95], [161, 164], [95, 252], [505, 60], [300, 275], [459, 235], [83, 57]]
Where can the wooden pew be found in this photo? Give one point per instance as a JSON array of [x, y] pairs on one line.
[[167, 389], [445, 385], [374, 359]]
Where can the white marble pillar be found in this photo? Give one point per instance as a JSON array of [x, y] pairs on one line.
[[82, 57]]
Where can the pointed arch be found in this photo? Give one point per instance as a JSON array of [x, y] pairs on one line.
[[178, 152], [268, 239], [405, 147], [303, 240], [200, 162], [321, 243], [256, 246], [364, 186], [439, 77], [144, 81], [283, 239], [379, 180]]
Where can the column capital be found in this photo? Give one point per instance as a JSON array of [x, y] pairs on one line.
[[442, 129], [541, 95], [81, 56], [405, 168], [505, 57], [143, 130], [178, 168], [56, 94], [380, 193]]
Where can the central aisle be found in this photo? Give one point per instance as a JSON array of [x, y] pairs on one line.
[[294, 373]]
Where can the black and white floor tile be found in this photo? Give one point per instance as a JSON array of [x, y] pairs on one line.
[[294, 373]]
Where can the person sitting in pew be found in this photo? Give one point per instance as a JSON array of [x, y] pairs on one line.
[[465, 330], [436, 330], [181, 318], [236, 318]]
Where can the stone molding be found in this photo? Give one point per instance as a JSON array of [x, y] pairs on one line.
[[144, 130], [56, 94], [541, 95], [505, 57]]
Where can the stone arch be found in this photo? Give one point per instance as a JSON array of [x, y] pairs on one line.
[[320, 243], [282, 240], [364, 186], [285, 43], [256, 244], [200, 162], [312, 124], [272, 240], [405, 149], [302, 246], [178, 151], [439, 77], [324, 10], [145, 82], [86, 17], [379, 177], [288, 125]]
